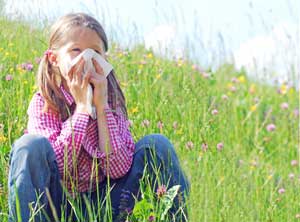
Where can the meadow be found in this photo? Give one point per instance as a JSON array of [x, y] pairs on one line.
[[237, 139]]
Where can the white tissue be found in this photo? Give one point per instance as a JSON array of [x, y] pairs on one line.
[[87, 55]]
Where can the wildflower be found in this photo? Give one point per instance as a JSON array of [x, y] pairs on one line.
[[161, 190], [151, 218], [252, 89], [160, 125], [145, 123], [158, 76], [134, 110], [296, 112], [124, 84], [150, 55], [3, 139], [194, 67], [283, 89], [297, 216], [143, 62], [294, 162], [8, 77], [291, 176], [284, 106], [234, 80], [256, 100], [220, 146], [254, 163], [242, 79], [224, 97], [233, 89], [189, 145], [179, 131], [204, 147], [281, 191], [205, 75], [27, 66], [175, 125], [253, 108], [214, 112], [271, 127]]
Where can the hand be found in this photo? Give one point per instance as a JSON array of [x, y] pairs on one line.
[[78, 86], [99, 81]]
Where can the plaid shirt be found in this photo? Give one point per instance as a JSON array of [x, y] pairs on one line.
[[75, 142]]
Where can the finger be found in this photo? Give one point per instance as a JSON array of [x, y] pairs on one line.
[[86, 79], [98, 68], [79, 71]]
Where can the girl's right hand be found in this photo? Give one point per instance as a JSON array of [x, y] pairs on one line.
[[78, 86]]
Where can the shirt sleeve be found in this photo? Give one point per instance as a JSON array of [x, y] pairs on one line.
[[118, 162], [65, 137]]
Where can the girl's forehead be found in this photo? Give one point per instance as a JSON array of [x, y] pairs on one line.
[[81, 35]]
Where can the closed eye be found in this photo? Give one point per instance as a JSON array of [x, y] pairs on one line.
[[97, 51], [76, 49]]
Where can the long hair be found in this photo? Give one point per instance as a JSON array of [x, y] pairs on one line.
[[48, 76]]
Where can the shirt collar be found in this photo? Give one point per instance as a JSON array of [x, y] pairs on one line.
[[67, 95]]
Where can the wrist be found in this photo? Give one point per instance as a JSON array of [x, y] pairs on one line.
[[102, 106], [81, 108]]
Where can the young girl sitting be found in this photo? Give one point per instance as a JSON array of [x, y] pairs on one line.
[[91, 156]]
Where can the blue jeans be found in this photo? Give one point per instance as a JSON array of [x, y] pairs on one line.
[[33, 168]]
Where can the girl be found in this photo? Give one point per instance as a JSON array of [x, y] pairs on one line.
[[91, 157]]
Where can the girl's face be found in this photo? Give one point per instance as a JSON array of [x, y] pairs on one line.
[[78, 39]]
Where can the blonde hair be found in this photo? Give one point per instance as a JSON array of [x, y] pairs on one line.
[[49, 77]]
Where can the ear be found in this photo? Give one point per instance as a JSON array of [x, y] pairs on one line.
[[52, 57]]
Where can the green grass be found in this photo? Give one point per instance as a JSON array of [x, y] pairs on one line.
[[238, 183]]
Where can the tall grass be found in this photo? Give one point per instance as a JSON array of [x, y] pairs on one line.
[[239, 166]]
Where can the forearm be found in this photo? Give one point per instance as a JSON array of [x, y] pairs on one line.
[[103, 132]]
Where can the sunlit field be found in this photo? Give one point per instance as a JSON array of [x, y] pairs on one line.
[[237, 139]]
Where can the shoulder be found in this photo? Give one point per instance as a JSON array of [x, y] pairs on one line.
[[37, 102]]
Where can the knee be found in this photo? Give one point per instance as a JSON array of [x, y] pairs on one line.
[[157, 142], [32, 147]]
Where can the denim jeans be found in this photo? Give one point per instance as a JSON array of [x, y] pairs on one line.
[[33, 170]]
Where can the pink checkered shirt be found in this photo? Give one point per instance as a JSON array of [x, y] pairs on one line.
[[75, 142]]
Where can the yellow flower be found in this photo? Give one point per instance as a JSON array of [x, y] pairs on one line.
[[229, 85], [124, 84], [7, 54], [11, 70], [10, 44], [120, 54], [269, 177], [140, 66], [158, 76], [150, 55], [179, 131], [134, 110], [253, 108], [283, 89], [34, 88], [252, 88], [3, 139], [1, 49], [25, 82], [291, 91], [242, 79]]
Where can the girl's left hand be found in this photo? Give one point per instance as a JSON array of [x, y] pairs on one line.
[[99, 81]]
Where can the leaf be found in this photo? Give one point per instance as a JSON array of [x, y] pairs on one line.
[[167, 200], [142, 206]]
